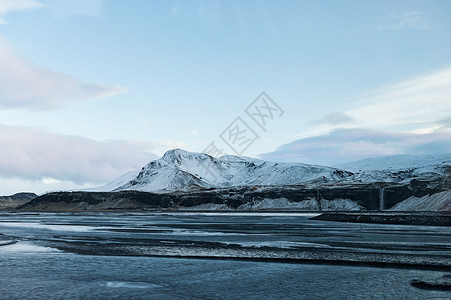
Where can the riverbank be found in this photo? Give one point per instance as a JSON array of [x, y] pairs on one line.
[[397, 218]]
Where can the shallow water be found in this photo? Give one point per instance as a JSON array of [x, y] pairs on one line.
[[102, 255]]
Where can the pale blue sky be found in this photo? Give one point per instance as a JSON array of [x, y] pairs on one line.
[[99, 87]]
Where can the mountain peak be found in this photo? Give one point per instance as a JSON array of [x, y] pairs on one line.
[[178, 157], [177, 152], [180, 170]]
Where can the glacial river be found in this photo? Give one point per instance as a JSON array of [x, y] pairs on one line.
[[215, 256]]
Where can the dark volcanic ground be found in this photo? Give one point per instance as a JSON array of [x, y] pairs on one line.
[[374, 196]]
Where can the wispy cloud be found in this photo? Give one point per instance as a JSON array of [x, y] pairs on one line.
[[67, 8], [193, 132], [421, 104], [415, 104], [207, 11], [58, 8], [32, 154], [343, 145], [26, 84], [9, 6], [336, 118], [406, 20], [412, 117], [446, 122]]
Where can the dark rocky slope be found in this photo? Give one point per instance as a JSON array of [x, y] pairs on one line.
[[13, 201], [374, 196]]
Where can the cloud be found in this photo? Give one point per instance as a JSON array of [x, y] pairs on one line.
[[144, 120], [31, 154], [418, 105], [336, 118], [446, 122], [58, 8], [206, 11], [9, 6], [67, 8], [10, 186], [406, 20], [193, 132], [343, 145], [412, 104], [25, 84], [411, 117]]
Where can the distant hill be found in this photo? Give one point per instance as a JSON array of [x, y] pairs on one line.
[[13, 201]]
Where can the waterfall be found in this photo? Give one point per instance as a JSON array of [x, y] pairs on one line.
[[382, 199], [318, 199]]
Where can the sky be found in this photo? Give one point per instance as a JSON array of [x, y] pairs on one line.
[[91, 89]]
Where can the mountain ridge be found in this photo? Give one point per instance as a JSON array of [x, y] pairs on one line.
[[180, 170], [188, 180]]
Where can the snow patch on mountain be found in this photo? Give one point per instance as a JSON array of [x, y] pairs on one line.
[[280, 203], [435, 202], [206, 206], [340, 204], [307, 204], [399, 168], [424, 163]]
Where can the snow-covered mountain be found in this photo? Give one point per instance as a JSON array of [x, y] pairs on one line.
[[399, 168], [421, 163], [179, 170], [186, 180], [183, 171]]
